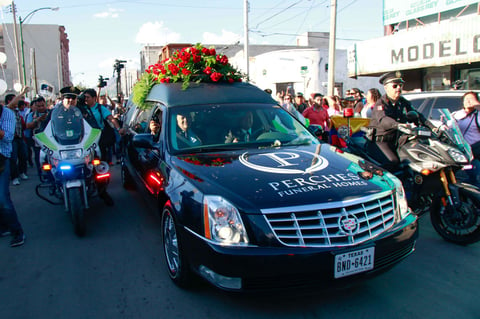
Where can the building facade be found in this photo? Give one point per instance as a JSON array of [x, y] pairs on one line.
[[45, 57], [436, 45]]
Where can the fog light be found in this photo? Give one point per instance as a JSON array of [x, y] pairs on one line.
[[219, 280]]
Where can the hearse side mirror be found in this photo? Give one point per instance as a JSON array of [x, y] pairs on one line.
[[143, 140]]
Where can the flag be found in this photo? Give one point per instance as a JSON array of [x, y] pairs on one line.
[[340, 129]]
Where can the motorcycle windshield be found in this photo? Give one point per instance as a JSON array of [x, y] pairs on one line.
[[67, 125], [454, 134]]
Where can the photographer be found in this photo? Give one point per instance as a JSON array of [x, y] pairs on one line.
[[36, 122]]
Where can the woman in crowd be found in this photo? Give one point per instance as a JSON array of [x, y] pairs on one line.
[[372, 97]]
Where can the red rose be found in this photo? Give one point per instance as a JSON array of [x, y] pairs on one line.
[[212, 51], [197, 58], [230, 80], [207, 70], [194, 50], [185, 56], [186, 72], [173, 68], [216, 76], [205, 51], [181, 64]]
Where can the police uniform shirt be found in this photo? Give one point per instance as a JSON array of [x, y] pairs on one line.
[[386, 116]]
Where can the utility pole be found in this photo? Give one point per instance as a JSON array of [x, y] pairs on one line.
[[331, 47], [245, 46], [14, 9]]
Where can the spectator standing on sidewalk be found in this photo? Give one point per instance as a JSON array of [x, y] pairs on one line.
[[9, 224], [18, 157], [300, 103], [100, 113]]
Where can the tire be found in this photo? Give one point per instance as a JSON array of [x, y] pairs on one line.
[[177, 266], [127, 180], [458, 225], [76, 210]]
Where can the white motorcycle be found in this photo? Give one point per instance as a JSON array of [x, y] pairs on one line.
[[72, 172]]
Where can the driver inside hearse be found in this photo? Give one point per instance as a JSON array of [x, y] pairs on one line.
[[186, 137]]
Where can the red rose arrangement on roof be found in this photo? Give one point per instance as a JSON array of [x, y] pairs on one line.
[[191, 64]]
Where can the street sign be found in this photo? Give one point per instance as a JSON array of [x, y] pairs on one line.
[[303, 70]]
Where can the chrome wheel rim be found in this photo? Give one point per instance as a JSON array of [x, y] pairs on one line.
[[170, 244]]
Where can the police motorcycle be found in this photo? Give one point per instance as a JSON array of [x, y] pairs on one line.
[[72, 173], [429, 160]]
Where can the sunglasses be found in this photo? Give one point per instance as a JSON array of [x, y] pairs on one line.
[[396, 85]]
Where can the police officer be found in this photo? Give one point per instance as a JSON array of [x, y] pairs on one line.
[[388, 116]]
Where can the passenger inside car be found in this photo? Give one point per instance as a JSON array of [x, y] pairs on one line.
[[185, 135], [243, 131]]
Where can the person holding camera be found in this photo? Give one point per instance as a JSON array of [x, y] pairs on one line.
[[36, 122], [102, 117]]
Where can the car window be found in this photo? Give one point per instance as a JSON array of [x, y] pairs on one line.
[[233, 125], [452, 103], [140, 124]]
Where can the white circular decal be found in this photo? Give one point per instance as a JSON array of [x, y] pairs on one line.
[[287, 162]]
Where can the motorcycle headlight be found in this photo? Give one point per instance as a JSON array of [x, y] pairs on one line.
[[457, 156], [71, 154], [222, 222]]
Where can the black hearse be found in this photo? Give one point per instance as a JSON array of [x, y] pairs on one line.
[[249, 199]]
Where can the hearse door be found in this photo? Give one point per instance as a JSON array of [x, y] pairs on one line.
[[149, 158]]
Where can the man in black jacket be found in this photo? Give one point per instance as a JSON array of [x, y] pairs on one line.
[[388, 116]]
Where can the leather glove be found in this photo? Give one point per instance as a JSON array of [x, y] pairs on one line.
[[404, 128]]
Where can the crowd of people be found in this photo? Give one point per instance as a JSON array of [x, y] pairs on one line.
[[319, 108], [387, 113], [20, 120]]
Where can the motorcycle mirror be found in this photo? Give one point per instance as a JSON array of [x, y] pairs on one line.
[[413, 117]]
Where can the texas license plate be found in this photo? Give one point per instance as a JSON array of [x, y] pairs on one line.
[[354, 262]]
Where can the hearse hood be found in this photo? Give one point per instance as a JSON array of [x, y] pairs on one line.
[[286, 176]]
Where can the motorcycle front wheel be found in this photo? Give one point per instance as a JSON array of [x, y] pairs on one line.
[[76, 211], [461, 224]]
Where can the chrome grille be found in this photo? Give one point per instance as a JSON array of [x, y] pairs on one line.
[[333, 224]]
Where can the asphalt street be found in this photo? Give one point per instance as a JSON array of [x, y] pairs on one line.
[[117, 271]]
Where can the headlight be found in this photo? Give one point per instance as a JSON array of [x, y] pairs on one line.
[[222, 222], [400, 196], [71, 154], [457, 156]]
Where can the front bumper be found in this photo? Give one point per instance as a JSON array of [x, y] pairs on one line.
[[260, 268]]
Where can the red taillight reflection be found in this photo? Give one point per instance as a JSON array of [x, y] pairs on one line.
[[102, 176], [155, 179]]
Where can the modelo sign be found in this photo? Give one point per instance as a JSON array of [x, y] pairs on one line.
[[447, 43]]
